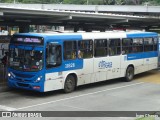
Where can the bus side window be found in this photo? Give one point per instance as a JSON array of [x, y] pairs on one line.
[[58, 55], [53, 55], [70, 50], [155, 44], [137, 45], [85, 48], [148, 44], [111, 52], [100, 47], [114, 47], [126, 46], [73, 55], [80, 54]]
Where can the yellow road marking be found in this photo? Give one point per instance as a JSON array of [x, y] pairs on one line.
[[151, 77]]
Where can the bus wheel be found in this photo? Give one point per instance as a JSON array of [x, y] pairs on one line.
[[70, 84], [129, 74]]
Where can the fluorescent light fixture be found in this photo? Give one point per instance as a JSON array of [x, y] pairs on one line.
[[155, 26]]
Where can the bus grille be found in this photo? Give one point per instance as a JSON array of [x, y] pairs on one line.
[[22, 80], [23, 85], [23, 75]]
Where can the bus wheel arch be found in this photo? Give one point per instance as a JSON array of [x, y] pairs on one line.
[[70, 83], [129, 73]]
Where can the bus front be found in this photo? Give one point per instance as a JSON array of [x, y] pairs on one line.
[[25, 62]]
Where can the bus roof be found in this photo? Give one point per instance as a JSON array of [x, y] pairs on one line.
[[92, 35]]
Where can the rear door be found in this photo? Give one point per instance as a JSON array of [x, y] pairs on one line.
[[85, 53], [100, 60], [113, 62]]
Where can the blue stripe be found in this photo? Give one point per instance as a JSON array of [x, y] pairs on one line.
[[67, 65], [135, 56], [65, 37], [141, 35]]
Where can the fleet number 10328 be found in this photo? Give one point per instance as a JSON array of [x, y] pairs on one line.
[[70, 65]]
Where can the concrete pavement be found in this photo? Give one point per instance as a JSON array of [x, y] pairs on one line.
[[142, 94]]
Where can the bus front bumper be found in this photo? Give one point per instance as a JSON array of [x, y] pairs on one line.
[[26, 85]]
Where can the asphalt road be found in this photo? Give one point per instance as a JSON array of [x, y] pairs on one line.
[[142, 94]]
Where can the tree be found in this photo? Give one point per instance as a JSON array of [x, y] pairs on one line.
[[109, 2], [7, 1], [75, 2], [134, 2], [120, 2], [155, 2], [92, 2]]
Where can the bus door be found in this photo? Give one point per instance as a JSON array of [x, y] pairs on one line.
[[100, 69], [148, 53], [54, 66], [100, 54], [113, 61], [151, 51], [85, 53], [137, 55], [132, 53]]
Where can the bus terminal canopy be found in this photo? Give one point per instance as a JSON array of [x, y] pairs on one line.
[[16, 15]]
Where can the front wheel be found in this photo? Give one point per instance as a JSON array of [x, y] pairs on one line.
[[70, 84], [129, 74]]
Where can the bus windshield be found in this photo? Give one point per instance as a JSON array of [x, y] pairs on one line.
[[26, 60]]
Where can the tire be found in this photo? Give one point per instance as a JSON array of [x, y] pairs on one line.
[[70, 84], [129, 74]]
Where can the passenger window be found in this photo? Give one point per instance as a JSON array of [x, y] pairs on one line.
[[85, 49], [155, 47], [100, 48], [114, 47], [70, 50], [148, 44], [53, 55], [127, 45], [137, 45]]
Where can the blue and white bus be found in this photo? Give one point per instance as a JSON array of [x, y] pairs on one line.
[[45, 62], [159, 53]]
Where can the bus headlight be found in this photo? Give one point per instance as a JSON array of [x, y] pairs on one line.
[[38, 79], [9, 74]]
